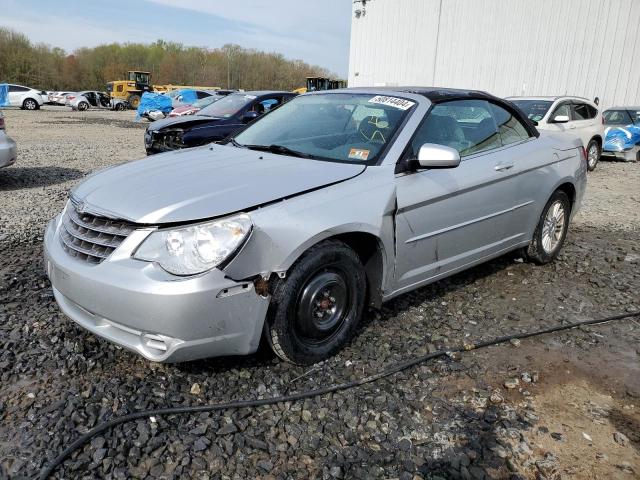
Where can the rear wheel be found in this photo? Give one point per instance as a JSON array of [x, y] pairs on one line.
[[315, 311], [593, 155], [134, 100], [119, 107], [551, 231], [82, 106], [30, 104]]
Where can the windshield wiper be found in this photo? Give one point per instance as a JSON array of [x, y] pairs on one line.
[[278, 149]]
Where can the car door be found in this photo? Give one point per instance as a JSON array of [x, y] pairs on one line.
[[531, 165], [450, 218], [92, 98], [564, 109], [584, 123], [16, 94]]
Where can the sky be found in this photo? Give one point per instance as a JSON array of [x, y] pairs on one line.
[[316, 32]]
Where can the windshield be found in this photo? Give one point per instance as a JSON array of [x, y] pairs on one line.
[[618, 117], [534, 109], [353, 128], [203, 102], [227, 106]]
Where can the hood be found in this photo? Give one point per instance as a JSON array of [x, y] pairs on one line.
[[199, 183], [183, 110], [182, 122]]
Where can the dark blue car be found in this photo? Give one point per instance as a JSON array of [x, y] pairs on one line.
[[213, 123]]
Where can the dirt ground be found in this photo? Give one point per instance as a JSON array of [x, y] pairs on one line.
[[564, 405]]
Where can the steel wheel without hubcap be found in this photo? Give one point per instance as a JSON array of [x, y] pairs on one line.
[[553, 228], [315, 309], [322, 307]]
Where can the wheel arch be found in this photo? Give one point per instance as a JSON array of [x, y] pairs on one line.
[[368, 246]]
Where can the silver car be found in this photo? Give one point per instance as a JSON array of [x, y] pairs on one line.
[[8, 150], [332, 202]]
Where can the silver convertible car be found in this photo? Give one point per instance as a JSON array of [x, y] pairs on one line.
[[330, 203]]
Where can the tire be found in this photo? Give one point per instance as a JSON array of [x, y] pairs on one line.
[[550, 235], [315, 311], [134, 101], [593, 155], [82, 106], [119, 107], [30, 104]]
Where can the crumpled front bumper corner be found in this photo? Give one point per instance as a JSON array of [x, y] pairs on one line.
[[164, 318]]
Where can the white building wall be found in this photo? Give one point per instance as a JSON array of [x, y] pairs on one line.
[[506, 47]]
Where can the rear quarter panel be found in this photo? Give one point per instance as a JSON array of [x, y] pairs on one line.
[[559, 161]]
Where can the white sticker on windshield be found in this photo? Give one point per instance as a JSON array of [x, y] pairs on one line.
[[395, 102]]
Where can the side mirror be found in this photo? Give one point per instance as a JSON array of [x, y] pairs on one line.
[[249, 116], [432, 155], [561, 119]]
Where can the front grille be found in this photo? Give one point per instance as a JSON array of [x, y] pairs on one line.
[[89, 237]]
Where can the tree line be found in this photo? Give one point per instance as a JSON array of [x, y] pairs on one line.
[[231, 66]]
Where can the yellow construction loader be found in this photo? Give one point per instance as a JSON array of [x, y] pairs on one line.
[[139, 82]]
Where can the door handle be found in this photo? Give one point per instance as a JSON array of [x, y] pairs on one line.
[[501, 167]]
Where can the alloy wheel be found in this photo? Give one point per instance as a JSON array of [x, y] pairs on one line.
[[553, 228]]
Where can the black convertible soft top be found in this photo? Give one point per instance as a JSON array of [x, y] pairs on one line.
[[439, 95]]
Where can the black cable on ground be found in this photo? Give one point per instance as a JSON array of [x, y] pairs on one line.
[[84, 439]]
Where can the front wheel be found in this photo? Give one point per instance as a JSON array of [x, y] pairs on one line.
[[134, 101], [593, 155], [551, 231], [315, 311]]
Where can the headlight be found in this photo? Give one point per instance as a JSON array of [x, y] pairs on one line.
[[197, 248]]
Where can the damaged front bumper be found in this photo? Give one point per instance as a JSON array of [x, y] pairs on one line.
[[163, 141], [139, 306], [628, 155]]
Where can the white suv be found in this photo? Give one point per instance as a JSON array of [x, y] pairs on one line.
[[575, 115], [25, 97]]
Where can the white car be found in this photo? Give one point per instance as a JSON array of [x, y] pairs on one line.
[[88, 99], [59, 98], [575, 115], [25, 97]]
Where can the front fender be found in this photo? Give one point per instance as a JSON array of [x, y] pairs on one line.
[[286, 229]]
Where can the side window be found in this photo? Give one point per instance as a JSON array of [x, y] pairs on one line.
[[466, 125], [263, 106], [563, 109], [17, 88], [510, 128], [120, 88], [200, 94], [580, 111], [592, 111]]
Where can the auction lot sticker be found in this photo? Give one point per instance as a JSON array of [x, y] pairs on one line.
[[358, 154], [395, 102]]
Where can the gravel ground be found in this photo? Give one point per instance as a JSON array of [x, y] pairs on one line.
[[565, 405]]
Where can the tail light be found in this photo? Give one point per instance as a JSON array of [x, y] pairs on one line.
[[70, 97]]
